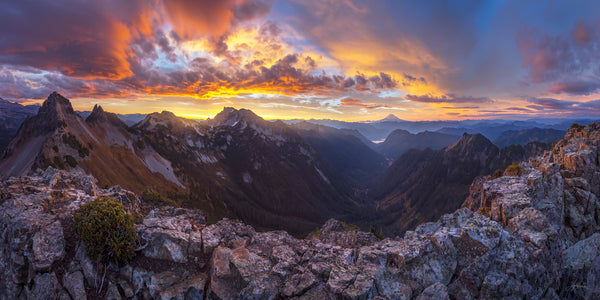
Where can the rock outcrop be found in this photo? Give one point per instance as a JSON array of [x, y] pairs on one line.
[[535, 235]]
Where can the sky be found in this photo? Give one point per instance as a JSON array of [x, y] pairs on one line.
[[338, 59]]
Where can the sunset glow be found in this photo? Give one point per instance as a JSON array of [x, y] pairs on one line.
[[346, 60]]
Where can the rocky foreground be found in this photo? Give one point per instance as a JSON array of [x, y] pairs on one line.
[[533, 233]]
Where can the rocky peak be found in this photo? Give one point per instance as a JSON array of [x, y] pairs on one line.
[[54, 113], [164, 119], [100, 117], [390, 118], [231, 117], [472, 143], [58, 105]]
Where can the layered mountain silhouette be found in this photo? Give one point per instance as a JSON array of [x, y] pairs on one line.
[[270, 174], [522, 137], [422, 185], [11, 116], [400, 141], [235, 165]]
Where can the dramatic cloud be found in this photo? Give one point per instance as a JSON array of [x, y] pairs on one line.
[[361, 104], [345, 59], [448, 98], [549, 103], [87, 39], [194, 18], [207, 80], [580, 87], [569, 61]]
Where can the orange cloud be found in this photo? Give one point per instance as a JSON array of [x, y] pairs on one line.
[[361, 104]]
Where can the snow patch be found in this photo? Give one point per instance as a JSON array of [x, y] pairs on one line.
[[322, 175], [246, 177], [220, 175], [157, 163], [207, 159]]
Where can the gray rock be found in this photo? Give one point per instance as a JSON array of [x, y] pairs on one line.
[[434, 292], [45, 286], [48, 246], [89, 270], [112, 292], [73, 283]]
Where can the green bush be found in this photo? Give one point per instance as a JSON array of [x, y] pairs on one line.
[[485, 211], [74, 143], [58, 162], [497, 174], [48, 163], [71, 161], [377, 233], [154, 197], [577, 126], [106, 229], [515, 169]]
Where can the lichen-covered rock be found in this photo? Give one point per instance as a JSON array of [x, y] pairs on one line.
[[73, 283], [48, 246], [45, 286]]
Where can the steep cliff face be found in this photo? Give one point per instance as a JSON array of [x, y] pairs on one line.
[[533, 234]]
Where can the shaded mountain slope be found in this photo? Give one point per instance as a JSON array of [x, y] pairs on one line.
[[346, 152], [238, 164], [421, 185], [400, 141], [522, 137], [12, 116]]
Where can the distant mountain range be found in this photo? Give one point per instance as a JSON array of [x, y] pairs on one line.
[[271, 174], [400, 141], [422, 185], [524, 136], [379, 130], [11, 116], [128, 119]]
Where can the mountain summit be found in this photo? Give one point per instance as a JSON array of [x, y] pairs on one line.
[[390, 118], [230, 116]]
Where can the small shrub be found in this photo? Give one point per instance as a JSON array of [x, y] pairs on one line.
[[48, 163], [349, 227], [55, 148], [140, 144], [71, 161], [74, 143], [378, 233], [577, 126], [315, 233], [106, 229], [485, 211], [58, 162], [515, 169], [154, 197], [497, 174]]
